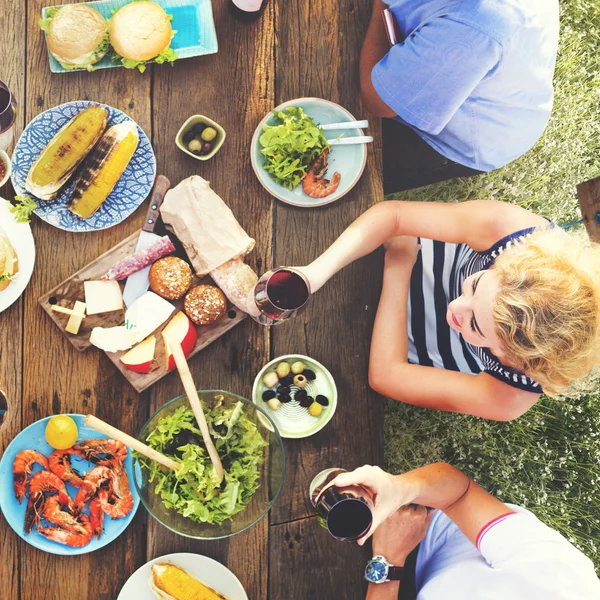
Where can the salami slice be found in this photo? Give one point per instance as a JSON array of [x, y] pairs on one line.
[[140, 259]]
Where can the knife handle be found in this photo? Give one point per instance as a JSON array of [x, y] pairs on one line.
[[157, 195]]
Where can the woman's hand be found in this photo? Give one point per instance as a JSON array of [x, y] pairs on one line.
[[397, 537], [387, 491]]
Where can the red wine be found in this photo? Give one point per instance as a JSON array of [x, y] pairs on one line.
[[246, 10], [4, 99], [349, 519], [287, 290]]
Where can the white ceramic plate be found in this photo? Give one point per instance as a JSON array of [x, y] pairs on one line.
[[291, 419], [208, 571], [19, 235]]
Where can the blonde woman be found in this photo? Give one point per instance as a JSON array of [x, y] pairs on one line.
[[500, 307]]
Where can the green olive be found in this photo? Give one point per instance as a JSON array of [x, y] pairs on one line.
[[209, 134], [195, 146]]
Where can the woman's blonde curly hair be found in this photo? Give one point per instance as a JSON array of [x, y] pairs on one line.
[[547, 310]]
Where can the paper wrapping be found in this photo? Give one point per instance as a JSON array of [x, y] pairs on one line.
[[204, 224]]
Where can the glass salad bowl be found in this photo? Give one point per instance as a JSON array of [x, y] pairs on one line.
[[190, 502]]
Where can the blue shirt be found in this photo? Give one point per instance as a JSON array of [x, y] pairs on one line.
[[472, 77]]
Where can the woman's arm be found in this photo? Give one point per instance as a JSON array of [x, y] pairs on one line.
[[478, 223], [392, 375], [438, 486], [375, 47]]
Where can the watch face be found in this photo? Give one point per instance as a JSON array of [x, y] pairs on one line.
[[376, 571]]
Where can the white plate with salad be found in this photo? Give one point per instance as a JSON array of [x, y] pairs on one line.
[[208, 571], [18, 235], [289, 141]]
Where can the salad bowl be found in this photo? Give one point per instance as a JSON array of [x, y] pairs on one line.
[[248, 442], [349, 160]]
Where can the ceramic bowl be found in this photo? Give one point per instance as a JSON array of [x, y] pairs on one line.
[[194, 120]]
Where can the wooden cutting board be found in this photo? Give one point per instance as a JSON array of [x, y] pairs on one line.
[[66, 293]]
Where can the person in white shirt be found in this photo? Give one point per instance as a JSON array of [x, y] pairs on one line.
[[472, 546]]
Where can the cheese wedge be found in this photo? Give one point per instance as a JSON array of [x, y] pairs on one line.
[[113, 339], [102, 296], [171, 582], [75, 320], [147, 314]]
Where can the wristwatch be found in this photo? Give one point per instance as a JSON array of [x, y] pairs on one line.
[[379, 570]]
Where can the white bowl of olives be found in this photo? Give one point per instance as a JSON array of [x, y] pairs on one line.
[[299, 394], [200, 137]]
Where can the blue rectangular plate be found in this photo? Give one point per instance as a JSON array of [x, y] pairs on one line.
[[192, 20]]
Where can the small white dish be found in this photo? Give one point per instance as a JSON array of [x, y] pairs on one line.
[[292, 420], [19, 235], [7, 167], [208, 571]]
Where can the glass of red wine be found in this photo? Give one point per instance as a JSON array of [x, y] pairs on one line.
[[346, 512], [8, 116], [280, 294]]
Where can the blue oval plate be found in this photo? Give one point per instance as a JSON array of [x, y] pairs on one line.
[[349, 161], [130, 191], [33, 437]]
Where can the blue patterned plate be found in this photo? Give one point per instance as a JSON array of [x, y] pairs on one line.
[[34, 438], [131, 190], [192, 20]]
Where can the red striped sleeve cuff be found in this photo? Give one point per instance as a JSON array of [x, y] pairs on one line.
[[491, 524]]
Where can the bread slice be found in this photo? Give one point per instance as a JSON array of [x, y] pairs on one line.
[[8, 257]]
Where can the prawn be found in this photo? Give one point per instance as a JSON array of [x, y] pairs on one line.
[[60, 464], [314, 183], [22, 466], [91, 484], [75, 539], [97, 515], [119, 501], [115, 452], [43, 482], [54, 513]]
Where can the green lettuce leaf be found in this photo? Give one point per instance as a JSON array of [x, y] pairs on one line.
[[168, 55], [291, 146], [50, 14], [22, 209]]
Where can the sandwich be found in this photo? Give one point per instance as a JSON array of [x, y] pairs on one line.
[[141, 32], [9, 264], [171, 582], [77, 35]]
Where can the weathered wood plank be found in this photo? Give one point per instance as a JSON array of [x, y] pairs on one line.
[[235, 88], [306, 562], [58, 379], [317, 55], [588, 194]]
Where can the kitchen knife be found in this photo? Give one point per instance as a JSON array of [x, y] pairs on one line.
[[138, 283]]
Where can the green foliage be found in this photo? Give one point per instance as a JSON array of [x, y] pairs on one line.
[[549, 459]]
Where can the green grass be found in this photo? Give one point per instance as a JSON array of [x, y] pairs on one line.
[[548, 460]]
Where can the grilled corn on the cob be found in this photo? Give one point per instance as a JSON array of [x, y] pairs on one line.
[[65, 151], [102, 168], [171, 582]]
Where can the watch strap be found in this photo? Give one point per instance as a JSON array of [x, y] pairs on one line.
[[395, 573]]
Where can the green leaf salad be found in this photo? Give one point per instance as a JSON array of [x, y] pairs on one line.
[[292, 146], [194, 490]]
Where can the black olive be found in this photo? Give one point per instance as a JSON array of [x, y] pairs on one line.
[[300, 395], [268, 395], [287, 380], [188, 136], [310, 375], [198, 128], [322, 400], [283, 389], [285, 398], [306, 402]]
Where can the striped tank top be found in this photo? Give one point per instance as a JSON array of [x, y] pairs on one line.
[[436, 280]]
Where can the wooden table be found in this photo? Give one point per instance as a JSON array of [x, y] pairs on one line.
[[298, 48]]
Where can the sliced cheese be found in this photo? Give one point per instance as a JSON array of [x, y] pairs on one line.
[[75, 319], [102, 296], [113, 339], [147, 314]]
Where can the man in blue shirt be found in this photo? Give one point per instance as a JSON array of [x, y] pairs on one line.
[[469, 84]]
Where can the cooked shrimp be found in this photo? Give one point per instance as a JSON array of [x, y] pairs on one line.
[[43, 482], [70, 538], [22, 466], [60, 464], [92, 450], [314, 183], [54, 513], [97, 514], [90, 486], [119, 501]]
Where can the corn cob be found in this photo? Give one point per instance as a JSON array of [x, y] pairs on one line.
[[65, 151], [171, 582], [102, 168]]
